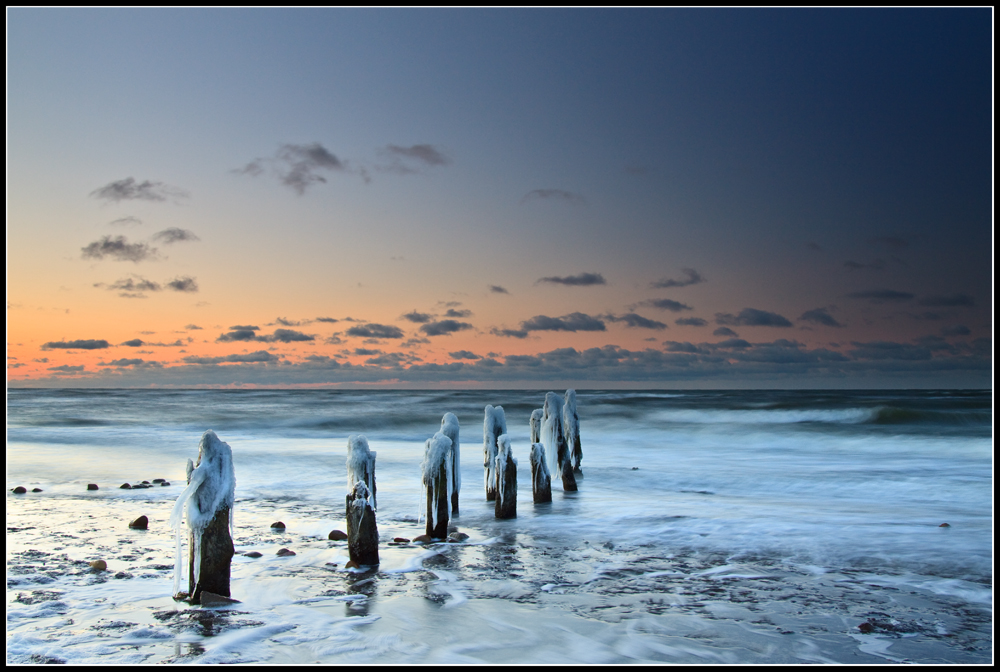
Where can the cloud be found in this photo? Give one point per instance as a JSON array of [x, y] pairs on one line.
[[419, 318], [882, 296], [690, 321], [285, 322], [135, 363], [135, 283], [251, 358], [889, 350], [192, 326], [120, 249], [637, 321], [373, 330], [444, 327], [820, 316], [184, 284], [423, 154], [724, 331], [681, 346], [286, 336], [552, 194], [497, 289], [174, 235], [126, 221], [513, 333], [238, 333], [66, 368], [130, 190], [956, 330], [452, 312], [464, 354], [751, 317], [693, 278], [297, 166], [327, 319], [581, 280], [134, 343], [88, 344], [571, 322], [666, 304], [949, 301]]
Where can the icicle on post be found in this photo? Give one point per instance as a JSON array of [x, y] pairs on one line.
[[535, 425], [449, 427], [506, 468], [494, 424], [571, 425], [206, 504], [541, 481], [436, 476], [362, 531], [556, 450]]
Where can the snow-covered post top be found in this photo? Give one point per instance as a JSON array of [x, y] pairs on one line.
[[361, 466], [535, 425], [494, 424], [571, 425], [449, 427], [435, 473], [211, 485], [552, 431]]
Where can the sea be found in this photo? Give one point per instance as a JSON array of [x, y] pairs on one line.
[[709, 527]]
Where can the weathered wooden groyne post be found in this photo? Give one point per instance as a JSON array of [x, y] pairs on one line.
[[506, 468], [436, 476], [362, 530], [571, 425], [541, 481], [494, 424], [535, 425], [207, 504], [449, 427], [554, 439]]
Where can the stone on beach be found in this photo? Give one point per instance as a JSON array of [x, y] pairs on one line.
[[92, 486], [125, 486], [278, 525], [337, 535], [140, 523], [19, 490], [282, 552], [99, 565], [253, 554], [36, 490]]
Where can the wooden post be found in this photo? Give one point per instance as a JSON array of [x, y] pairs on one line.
[[449, 427], [541, 481], [494, 424], [362, 532], [207, 502], [535, 425], [555, 441], [571, 425], [506, 469], [435, 476]]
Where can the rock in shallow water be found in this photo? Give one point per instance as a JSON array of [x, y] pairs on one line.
[[254, 554], [140, 523], [284, 551], [99, 565], [208, 599], [19, 490], [337, 535], [278, 525], [125, 486], [36, 490], [92, 486]]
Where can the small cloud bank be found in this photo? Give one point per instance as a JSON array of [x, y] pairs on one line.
[[693, 278], [130, 190], [581, 280]]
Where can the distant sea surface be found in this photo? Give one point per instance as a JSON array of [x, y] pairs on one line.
[[709, 526]]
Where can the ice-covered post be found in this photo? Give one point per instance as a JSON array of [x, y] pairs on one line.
[[362, 530], [494, 424], [506, 467], [449, 427], [436, 476], [541, 481], [571, 425], [554, 439], [207, 502], [535, 425]]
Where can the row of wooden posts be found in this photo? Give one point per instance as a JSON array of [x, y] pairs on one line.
[[555, 445]]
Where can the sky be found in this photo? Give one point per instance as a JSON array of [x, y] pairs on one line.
[[490, 198]]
